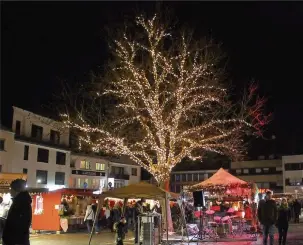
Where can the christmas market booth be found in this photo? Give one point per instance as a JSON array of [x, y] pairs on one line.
[[229, 210], [146, 191], [64, 209]]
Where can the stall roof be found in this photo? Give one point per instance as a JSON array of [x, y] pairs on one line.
[[220, 178], [139, 190]]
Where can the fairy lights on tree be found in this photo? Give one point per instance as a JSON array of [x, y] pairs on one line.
[[170, 102]]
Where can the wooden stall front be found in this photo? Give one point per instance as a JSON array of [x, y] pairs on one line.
[[47, 217]]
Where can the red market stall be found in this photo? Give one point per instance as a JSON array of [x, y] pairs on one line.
[[47, 207]]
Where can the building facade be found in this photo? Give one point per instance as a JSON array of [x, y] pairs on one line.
[[101, 173], [293, 174], [39, 148], [180, 180], [7, 143], [266, 173]]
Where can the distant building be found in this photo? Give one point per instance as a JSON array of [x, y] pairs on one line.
[[100, 173], [266, 173], [180, 180], [293, 174], [38, 147]]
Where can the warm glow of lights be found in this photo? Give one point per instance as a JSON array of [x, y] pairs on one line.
[[173, 96]]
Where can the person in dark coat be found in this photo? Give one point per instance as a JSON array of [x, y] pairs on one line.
[[119, 227], [297, 210], [19, 218], [284, 216], [267, 215]]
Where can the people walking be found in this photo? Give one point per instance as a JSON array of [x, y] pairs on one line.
[[89, 217], [297, 210], [19, 217], [267, 215], [284, 216]]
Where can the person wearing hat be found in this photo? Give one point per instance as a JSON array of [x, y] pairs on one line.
[[19, 218]]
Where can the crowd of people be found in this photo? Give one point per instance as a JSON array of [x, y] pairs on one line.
[[272, 214]]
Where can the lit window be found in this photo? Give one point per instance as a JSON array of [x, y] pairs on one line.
[[238, 171], [85, 164], [100, 166], [245, 171], [258, 170]]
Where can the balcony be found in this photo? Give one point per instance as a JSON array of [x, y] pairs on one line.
[[48, 143], [119, 176]]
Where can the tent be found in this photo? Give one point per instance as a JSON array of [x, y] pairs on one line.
[[223, 181], [138, 190]]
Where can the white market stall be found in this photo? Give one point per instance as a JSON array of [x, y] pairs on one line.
[[135, 191]]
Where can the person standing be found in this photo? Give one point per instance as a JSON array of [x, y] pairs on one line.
[[297, 210], [267, 215], [284, 216], [89, 217], [19, 217], [139, 209]]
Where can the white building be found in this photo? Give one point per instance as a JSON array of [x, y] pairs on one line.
[[293, 174], [39, 149], [7, 142], [94, 172]]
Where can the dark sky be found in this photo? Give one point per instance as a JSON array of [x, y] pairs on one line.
[[43, 42]]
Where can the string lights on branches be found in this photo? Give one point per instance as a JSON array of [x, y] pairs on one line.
[[171, 102]]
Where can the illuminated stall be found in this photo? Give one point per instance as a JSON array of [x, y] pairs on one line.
[[64, 209]]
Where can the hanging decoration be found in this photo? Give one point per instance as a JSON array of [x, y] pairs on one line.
[[39, 205]]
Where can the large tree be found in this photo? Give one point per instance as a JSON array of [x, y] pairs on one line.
[[170, 101]]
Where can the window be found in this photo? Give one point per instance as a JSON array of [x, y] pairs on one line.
[[96, 184], [2, 144], [183, 177], [42, 155], [26, 148], [37, 132], [59, 178], [238, 171], [118, 184], [177, 176], [25, 171], [18, 128], [258, 170], [134, 171], [60, 158], [266, 170], [0, 168], [201, 176], [100, 166], [279, 169], [196, 177], [102, 183], [245, 171], [189, 177], [41, 176], [293, 166], [252, 171], [118, 170], [55, 137], [85, 164]]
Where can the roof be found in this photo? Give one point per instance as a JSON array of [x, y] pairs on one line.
[[220, 178], [139, 190]]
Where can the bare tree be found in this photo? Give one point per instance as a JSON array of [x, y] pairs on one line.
[[170, 101]]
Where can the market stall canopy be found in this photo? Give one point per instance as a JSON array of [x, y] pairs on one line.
[[139, 190], [220, 180]]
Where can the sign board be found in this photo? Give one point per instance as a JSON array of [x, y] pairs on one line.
[[7, 178], [88, 173]]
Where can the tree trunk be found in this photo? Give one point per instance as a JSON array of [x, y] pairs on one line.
[[165, 186]]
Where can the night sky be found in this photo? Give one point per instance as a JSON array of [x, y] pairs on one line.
[[44, 43]]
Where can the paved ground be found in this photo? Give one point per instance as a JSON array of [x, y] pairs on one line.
[[107, 238]]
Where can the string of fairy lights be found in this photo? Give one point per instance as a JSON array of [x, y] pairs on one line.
[[175, 96]]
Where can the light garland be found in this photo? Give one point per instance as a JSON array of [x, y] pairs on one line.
[[174, 97]]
